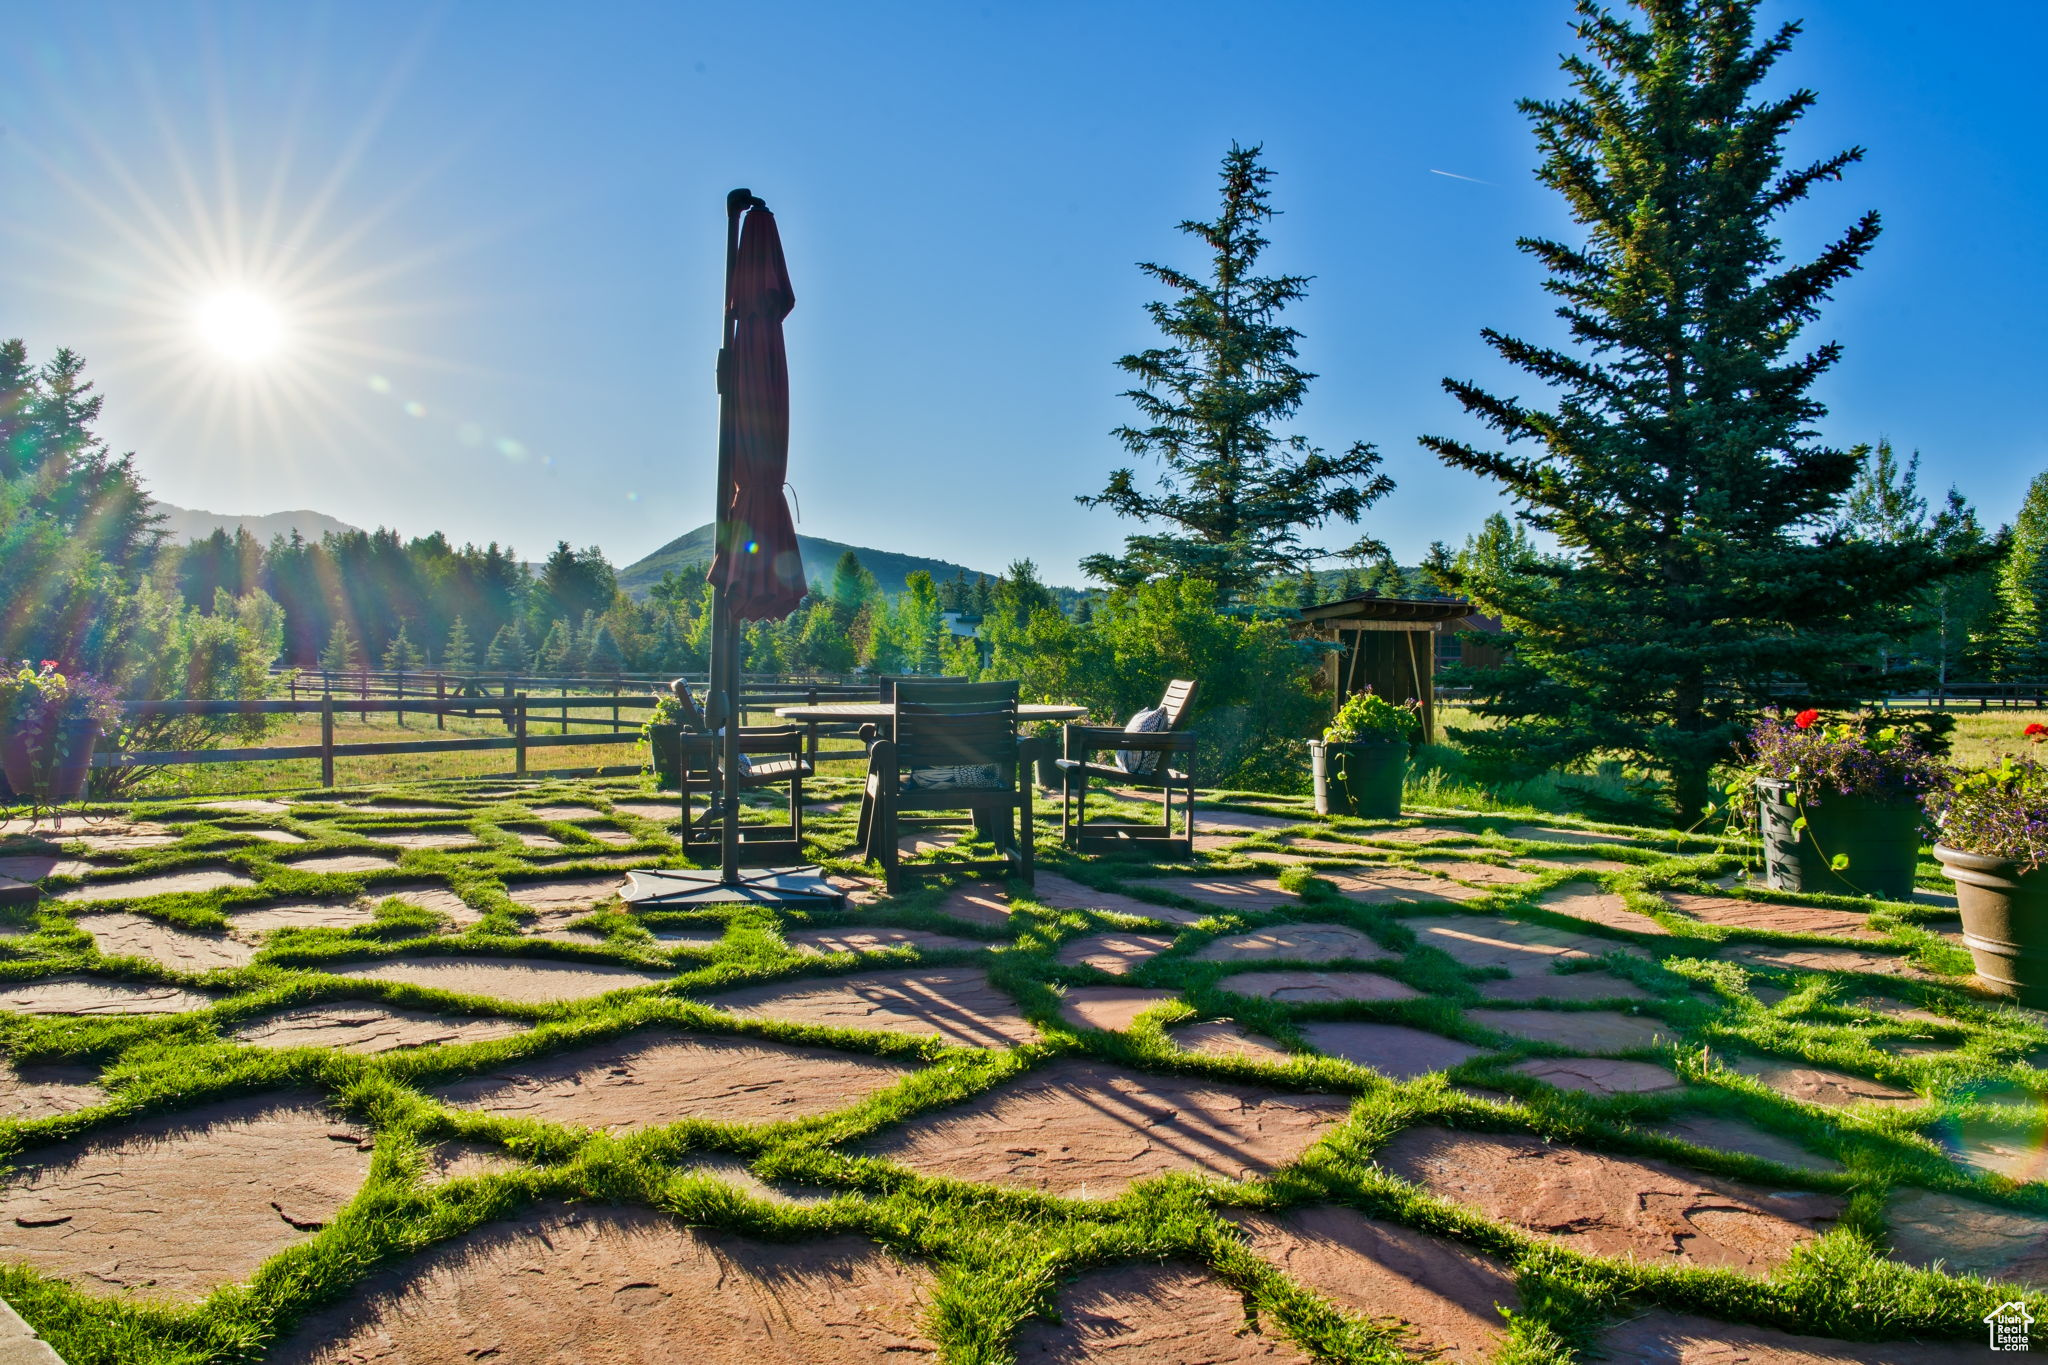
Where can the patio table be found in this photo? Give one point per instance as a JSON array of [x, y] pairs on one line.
[[855, 712]]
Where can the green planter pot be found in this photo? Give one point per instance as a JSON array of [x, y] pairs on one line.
[[1879, 837], [665, 754], [2005, 922], [1359, 779], [47, 776], [1047, 769]]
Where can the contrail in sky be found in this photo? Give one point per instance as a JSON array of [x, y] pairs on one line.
[[1455, 176]]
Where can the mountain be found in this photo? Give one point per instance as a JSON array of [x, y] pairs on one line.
[[183, 524], [889, 568]]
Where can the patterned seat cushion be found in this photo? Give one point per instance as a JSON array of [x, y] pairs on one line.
[[1138, 763], [963, 776]]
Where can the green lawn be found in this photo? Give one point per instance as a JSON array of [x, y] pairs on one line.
[[999, 1256]]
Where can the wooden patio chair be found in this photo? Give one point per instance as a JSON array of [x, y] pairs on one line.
[[951, 747], [1173, 771], [775, 756]]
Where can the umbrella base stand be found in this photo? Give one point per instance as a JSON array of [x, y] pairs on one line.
[[797, 888]]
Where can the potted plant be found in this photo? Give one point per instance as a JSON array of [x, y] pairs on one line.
[[665, 725], [1838, 806], [49, 723], [1993, 845], [1362, 759]]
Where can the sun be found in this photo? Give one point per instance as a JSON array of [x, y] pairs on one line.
[[240, 325]]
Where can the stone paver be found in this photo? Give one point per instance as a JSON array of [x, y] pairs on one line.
[[177, 1204], [1295, 942], [556, 1283], [436, 899], [1969, 1238], [424, 838], [1520, 948], [957, 1003], [1229, 890], [1575, 986], [332, 864], [1581, 1030], [1308, 988], [582, 894], [1063, 893], [1594, 906], [76, 995], [983, 903], [1599, 1075], [1548, 834], [1550, 862], [852, 940], [1118, 954], [1486, 874], [1391, 1049], [1661, 1338], [119, 934], [1417, 834], [1785, 919], [1819, 1084], [250, 806], [39, 1089], [1400, 886], [533, 980], [2017, 1156], [330, 914], [1085, 1129], [358, 1026], [658, 1076], [1822, 960], [119, 837], [570, 812], [1247, 820], [1228, 1038], [271, 836], [1113, 1008], [36, 867], [533, 838], [661, 812], [163, 884], [1173, 1314], [1733, 1135], [1448, 1298], [1610, 1205]]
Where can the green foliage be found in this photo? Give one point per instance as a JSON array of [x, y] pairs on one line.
[[1999, 812], [2022, 613], [1367, 717], [402, 653], [341, 653], [1678, 471], [508, 651], [1233, 494], [459, 654]]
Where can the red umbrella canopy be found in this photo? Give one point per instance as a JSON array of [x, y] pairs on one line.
[[757, 563]]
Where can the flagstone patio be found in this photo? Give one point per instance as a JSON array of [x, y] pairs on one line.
[[1454, 1088]]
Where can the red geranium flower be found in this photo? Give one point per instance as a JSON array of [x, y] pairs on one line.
[[1806, 718], [2035, 731]]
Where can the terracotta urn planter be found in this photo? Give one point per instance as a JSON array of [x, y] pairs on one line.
[[1359, 779], [1879, 836], [2005, 921]]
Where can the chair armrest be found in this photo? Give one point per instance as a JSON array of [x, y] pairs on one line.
[[1101, 736], [1163, 742]]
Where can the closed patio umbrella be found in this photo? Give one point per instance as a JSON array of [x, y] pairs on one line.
[[757, 571]]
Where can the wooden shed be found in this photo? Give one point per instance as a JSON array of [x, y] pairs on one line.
[[1388, 644]]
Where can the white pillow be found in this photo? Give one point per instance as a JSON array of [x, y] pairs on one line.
[[1137, 762]]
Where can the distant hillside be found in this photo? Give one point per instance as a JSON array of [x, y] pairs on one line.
[[889, 568], [183, 524]]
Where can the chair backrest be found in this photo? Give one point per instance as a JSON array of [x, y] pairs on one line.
[[886, 683], [1178, 702], [955, 724]]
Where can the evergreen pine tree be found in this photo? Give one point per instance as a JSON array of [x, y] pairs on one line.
[[852, 586], [1349, 586], [605, 658], [508, 652], [459, 654], [1678, 470], [1306, 594], [1233, 494], [2022, 641], [558, 648], [342, 653], [668, 645], [401, 653]]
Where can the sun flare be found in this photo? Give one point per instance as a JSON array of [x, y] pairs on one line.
[[239, 325]]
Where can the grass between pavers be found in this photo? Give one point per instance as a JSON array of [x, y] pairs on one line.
[[1000, 1255]]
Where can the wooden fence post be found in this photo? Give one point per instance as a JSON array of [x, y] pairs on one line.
[[441, 696], [327, 739], [401, 699], [363, 682], [519, 736]]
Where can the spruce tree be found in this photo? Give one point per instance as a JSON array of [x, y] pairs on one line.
[[459, 654], [1233, 495], [508, 651], [342, 653], [558, 648], [605, 658], [401, 654], [1702, 577], [2022, 639]]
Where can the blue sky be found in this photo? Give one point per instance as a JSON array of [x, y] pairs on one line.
[[491, 233]]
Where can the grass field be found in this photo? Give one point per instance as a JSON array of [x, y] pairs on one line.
[[1006, 1259]]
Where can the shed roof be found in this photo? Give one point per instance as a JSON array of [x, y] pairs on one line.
[[1373, 607]]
